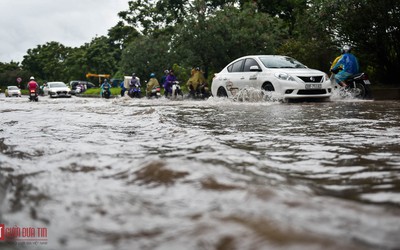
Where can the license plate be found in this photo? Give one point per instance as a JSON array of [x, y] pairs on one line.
[[313, 86], [367, 82]]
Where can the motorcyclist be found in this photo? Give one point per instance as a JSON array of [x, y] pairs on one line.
[[134, 80], [32, 85], [41, 90], [153, 83], [169, 81], [123, 89], [166, 72], [105, 84], [196, 81], [347, 64]]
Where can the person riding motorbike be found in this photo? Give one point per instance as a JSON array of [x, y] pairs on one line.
[[41, 90], [166, 72], [103, 86], [134, 80], [32, 85], [347, 65], [196, 83], [153, 82], [169, 81], [123, 89]]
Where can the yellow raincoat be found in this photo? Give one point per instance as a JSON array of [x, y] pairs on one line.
[[196, 79]]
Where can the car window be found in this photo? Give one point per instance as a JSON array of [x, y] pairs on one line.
[[57, 85], [248, 63], [281, 62], [236, 67]]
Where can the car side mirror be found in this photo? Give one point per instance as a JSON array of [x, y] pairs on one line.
[[255, 68]]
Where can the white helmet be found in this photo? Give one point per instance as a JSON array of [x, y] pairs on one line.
[[32, 78], [346, 49]]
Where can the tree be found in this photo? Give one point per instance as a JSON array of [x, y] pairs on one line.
[[147, 54], [286, 10], [223, 35], [100, 56], [46, 61], [76, 65], [9, 72], [371, 27]]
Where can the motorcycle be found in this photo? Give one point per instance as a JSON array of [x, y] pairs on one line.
[[358, 86], [202, 92], [33, 96], [134, 91], [155, 92], [106, 92], [176, 90]]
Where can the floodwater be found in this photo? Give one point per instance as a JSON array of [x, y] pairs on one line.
[[217, 174]]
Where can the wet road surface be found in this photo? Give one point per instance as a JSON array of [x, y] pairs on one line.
[[215, 174]]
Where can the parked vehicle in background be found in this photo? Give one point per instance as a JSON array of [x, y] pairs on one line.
[[281, 74], [12, 91], [80, 86], [57, 89]]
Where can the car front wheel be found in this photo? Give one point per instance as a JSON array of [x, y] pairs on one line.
[[268, 86], [221, 92]]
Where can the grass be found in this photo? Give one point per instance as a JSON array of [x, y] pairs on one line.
[[96, 91]]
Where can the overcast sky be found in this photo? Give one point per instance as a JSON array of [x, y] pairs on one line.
[[28, 23]]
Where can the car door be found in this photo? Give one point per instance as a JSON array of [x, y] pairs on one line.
[[234, 78], [250, 77]]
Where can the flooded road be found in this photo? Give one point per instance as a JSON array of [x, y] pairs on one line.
[[215, 174]]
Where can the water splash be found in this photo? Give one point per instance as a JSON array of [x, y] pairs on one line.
[[257, 95]]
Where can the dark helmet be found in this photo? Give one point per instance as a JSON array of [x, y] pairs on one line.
[[152, 75]]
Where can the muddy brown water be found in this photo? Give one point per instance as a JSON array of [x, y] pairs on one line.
[[215, 174]]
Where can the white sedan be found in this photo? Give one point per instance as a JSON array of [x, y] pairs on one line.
[[281, 74], [57, 89], [12, 91]]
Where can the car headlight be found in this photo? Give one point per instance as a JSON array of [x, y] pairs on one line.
[[326, 78], [284, 76]]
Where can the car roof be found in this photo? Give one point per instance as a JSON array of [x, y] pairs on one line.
[[261, 56], [55, 82]]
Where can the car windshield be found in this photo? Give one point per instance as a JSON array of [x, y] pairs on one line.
[[12, 88], [281, 62], [57, 85]]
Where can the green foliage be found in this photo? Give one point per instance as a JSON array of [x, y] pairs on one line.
[[145, 55], [46, 61], [9, 72], [371, 27]]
